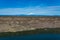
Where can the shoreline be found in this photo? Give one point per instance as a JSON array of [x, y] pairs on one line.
[[31, 32]]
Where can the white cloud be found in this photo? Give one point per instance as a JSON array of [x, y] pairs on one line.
[[49, 10]]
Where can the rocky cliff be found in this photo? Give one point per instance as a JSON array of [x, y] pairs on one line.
[[16, 23]]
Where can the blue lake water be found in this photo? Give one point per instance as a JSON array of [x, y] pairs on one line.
[[33, 37]]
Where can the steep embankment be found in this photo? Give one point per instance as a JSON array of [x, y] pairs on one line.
[[16, 23]]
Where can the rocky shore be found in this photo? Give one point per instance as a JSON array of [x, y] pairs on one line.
[[17, 23], [31, 32]]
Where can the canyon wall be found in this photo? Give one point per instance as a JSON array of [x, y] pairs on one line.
[[13, 24]]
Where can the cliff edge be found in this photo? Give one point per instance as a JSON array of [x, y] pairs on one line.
[[13, 24]]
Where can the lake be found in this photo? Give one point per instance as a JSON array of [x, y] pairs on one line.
[[33, 37]]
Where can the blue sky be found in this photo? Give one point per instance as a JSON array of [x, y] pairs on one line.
[[30, 7]]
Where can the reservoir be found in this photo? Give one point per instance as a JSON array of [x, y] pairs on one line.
[[33, 37]]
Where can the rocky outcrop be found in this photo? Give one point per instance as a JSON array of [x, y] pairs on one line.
[[13, 24]]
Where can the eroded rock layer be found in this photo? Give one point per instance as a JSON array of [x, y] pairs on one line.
[[13, 24]]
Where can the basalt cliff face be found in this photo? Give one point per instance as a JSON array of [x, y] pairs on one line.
[[13, 24]]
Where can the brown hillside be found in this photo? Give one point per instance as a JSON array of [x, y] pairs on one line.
[[14, 24]]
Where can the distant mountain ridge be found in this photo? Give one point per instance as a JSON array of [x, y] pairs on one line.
[[32, 15]]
